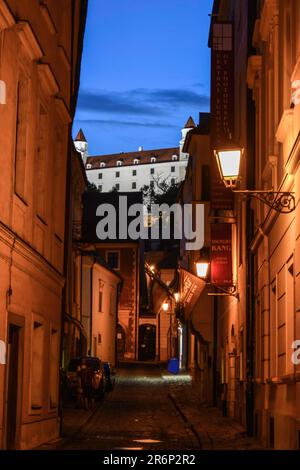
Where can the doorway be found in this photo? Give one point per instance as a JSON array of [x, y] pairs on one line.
[[13, 385], [121, 342], [147, 342]]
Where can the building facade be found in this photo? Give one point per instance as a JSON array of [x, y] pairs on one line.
[[131, 171], [273, 76], [39, 63]]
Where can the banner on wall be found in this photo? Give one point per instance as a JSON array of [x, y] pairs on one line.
[[221, 254], [222, 106]]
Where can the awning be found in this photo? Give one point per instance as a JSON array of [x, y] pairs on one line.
[[191, 287]]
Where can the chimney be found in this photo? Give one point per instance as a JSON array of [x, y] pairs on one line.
[[141, 149]]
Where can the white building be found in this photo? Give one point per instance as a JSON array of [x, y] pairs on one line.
[[131, 171]]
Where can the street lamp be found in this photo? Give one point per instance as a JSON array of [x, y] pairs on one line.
[[177, 296], [228, 160], [165, 306], [202, 268]]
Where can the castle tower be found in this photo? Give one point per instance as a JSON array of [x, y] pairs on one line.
[[190, 124], [81, 145]]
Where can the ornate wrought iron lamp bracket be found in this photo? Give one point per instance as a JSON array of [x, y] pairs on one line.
[[281, 201], [230, 291]]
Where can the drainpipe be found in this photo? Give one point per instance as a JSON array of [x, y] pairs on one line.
[[91, 311], [215, 353]]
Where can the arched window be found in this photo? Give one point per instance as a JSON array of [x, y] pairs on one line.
[[102, 165], [153, 159], [136, 161], [88, 166], [174, 158], [119, 163]]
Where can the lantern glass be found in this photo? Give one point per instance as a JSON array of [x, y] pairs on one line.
[[202, 268], [229, 165], [165, 306], [177, 296]]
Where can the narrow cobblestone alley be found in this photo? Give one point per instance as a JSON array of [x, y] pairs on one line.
[[150, 409]]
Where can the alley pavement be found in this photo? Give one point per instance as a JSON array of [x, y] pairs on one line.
[[150, 409]]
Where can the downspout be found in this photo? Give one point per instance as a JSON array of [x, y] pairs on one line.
[[215, 352]]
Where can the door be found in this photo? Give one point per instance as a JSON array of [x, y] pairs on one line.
[[121, 342], [147, 342], [13, 361]]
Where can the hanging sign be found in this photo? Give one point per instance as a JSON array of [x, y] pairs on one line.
[[221, 254]]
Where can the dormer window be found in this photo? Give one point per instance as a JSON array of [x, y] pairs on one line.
[[119, 163], [174, 158], [153, 160], [88, 166], [136, 161], [102, 165]]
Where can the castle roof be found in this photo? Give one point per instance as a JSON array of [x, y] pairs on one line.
[[80, 136], [190, 124], [127, 159]]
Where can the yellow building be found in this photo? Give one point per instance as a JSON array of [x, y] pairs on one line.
[[40, 45]]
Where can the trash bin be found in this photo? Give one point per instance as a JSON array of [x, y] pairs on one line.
[[173, 365]]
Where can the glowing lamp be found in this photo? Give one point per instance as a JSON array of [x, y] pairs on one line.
[[202, 268], [228, 161], [165, 306], [177, 296]]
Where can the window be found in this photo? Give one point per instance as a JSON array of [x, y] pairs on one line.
[[117, 174], [100, 176], [136, 161], [102, 165], [119, 163], [54, 362], [88, 166], [222, 37], [21, 136], [153, 160], [117, 186], [152, 171], [133, 185], [100, 299], [151, 184], [133, 172], [100, 188], [113, 259], [172, 169], [173, 181], [41, 159], [37, 365], [174, 158]]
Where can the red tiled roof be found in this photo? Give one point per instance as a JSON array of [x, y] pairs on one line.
[[127, 159]]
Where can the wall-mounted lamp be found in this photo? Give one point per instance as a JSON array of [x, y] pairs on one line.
[[229, 161], [176, 296], [165, 306], [202, 269]]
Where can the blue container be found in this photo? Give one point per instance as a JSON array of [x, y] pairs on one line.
[[173, 365]]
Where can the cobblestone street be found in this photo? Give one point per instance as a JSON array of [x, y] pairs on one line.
[[152, 410]]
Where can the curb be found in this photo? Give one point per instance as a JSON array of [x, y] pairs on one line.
[[203, 441]]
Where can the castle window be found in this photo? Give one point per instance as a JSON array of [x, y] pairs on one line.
[[174, 158], [102, 165], [133, 185], [133, 172], [153, 160], [119, 163], [172, 169], [136, 161], [173, 181], [88, 166], [117, 174], [100, 176], [100, 188], [152, 171]]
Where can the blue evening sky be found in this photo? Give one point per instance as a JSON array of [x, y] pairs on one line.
[[145, 70]]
